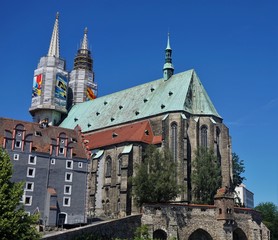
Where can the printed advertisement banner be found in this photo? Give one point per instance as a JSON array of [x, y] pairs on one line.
[[37, 86], [91, 93], [61, 87]]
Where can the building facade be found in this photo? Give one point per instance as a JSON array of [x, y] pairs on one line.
[[246, 197], [173, 112], [71, 176], [52, 163], [55, 90]]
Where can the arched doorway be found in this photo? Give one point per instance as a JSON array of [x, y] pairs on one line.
[[159, 234], [238, 234], [200, 234]]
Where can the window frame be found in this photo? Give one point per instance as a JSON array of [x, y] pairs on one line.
[[16, 157], [30, 200], [35, 159], [71, 176], [80, 164], [174, 140], [108, 167], [29, 189], [204, 136], [64, 201], [67, 192], [33, 174], [71, 164], [20, 143]]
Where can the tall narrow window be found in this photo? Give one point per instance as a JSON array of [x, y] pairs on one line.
[[108, 166], [119, 166], [174, 140], [204, 136]]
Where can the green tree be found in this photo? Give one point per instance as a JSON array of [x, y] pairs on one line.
[[238, 169], [269, 213], [155, 179], [14, 221], [206, 176]]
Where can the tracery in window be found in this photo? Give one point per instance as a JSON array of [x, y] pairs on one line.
[[204, 136], [174, 140], [108, 167]]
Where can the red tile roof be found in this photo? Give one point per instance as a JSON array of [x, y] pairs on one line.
[[135, 132], [42, 143]]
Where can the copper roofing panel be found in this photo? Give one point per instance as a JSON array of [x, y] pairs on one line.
[[143, 101]]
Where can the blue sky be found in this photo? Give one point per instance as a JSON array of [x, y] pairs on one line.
[[232, 45]]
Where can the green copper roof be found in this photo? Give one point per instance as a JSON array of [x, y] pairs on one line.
[[181, 92]]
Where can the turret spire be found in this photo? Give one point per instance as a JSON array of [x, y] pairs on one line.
[[168, 42], [54, 44], [83, 59], [85, 40], [168, 68]]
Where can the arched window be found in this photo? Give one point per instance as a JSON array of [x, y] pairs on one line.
[[174, 140], [204, 136], [108, 167], [119, 165]]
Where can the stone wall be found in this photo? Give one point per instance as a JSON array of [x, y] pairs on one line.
[[202, 221], [123, 228]]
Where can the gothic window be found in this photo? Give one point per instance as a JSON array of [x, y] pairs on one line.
[[217, 135], [204, 136], [108, 167], [217, 145], [119, 166], [174, 140]]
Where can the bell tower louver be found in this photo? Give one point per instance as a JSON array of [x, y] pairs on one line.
[[49, 93], [82, 86]]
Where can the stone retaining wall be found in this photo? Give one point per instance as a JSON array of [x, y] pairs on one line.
[[121, 228]]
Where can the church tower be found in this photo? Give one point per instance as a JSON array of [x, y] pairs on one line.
[[49, 94], [81, 86], [168, 68]]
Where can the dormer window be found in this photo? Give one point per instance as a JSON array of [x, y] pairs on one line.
[[17, 144], [38, 133], [61, 150]]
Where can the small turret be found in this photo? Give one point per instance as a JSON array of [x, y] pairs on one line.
[[168, 68]]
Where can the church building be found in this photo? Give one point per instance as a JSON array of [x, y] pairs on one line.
[[80, 151], [173, 112]]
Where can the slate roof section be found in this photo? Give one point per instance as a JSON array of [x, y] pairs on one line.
[[136, 132], [41, 143], [143, 101]]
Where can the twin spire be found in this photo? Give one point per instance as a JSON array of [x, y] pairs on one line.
[[54, 48]]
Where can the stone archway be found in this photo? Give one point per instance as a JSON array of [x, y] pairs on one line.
[[159, 234], [200, 234], [238, 234]]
